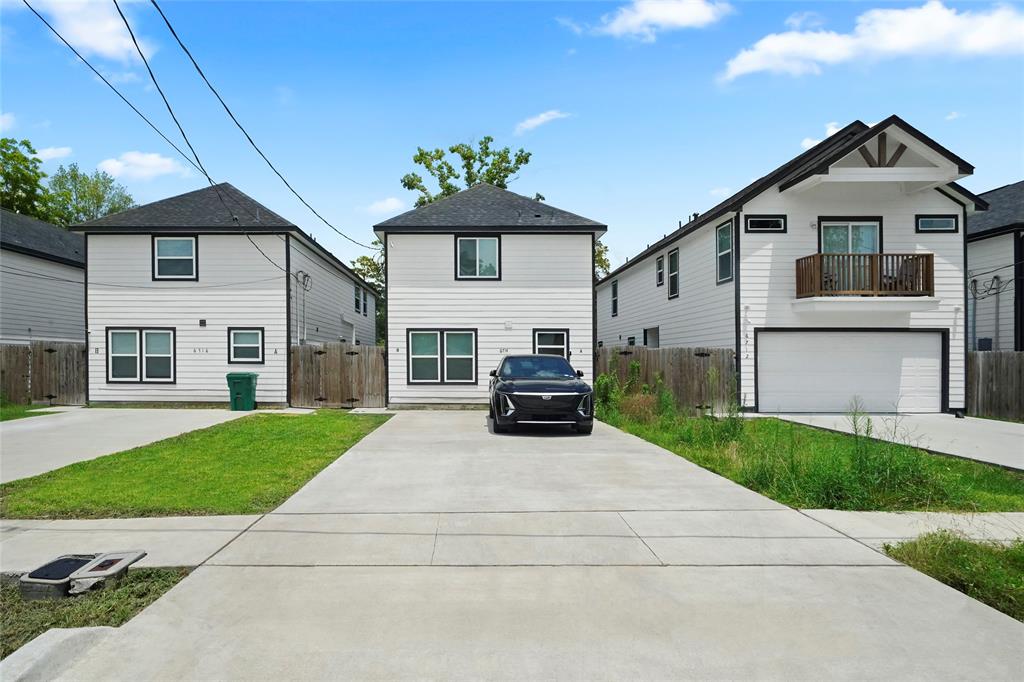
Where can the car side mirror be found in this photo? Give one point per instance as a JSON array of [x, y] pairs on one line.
[[579, 373], [494, 372]]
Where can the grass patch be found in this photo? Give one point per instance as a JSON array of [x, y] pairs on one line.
[[246, 466], [9, 411], [21, 621], [989, 572]]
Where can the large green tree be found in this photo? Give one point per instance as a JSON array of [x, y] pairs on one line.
[[74, 196], [371, 269], [21, 179], [475, 165]]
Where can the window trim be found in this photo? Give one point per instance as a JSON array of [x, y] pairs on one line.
[[659, 271], [765, 216], [477, 278], [357, 298], [247, 361], [365, 306], [154, 238], [110, 355], [444, 354], [145, 357], [954, 217], [615, 297], [718, 254], [671, 274], [141, 352], [547, 330], [441, 366]]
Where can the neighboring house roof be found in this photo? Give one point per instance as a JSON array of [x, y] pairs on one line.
[[484, 208], [213, 208], [1005, 211], [33, 237]]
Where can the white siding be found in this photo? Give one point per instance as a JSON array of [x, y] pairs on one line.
[[702, 315], [237, 287], [327, 311], [36, 304], [546, 282], [767, 270], [994, 312]]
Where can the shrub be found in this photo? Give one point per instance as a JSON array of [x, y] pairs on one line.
[[641, 407], [632, 378], [607, 394]]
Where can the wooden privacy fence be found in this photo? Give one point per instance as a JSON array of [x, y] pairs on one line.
[[686, 372], [338, 375], [995, 384], [43, 371]]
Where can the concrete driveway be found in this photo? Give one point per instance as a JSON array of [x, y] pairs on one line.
[[35, 445], [434, 549]]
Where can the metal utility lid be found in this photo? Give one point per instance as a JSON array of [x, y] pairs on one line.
[[60, 570], [108, 564]]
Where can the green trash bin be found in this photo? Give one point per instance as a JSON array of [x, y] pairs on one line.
[[242, 387]]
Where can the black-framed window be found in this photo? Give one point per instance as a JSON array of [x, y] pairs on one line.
[[176, 258], [723, 251], [551, 342], [245, 345], [357, 300], [764, 223], [442, 356], [140, 354], [936, 223], [477, 258], [673, 273], [659, 271], [615, 297], [631, 341], [365, 306]]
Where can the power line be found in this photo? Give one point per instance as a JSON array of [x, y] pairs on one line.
[[18, 272], [1001, 267], [248, 137]]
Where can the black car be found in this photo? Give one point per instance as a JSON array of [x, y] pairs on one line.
[[540, 389]]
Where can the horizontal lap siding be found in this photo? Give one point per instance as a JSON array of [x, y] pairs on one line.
[[329, 305], [768, 263], [702, 315], [228, 262], [35, 304], [982, 256], [546, 283]]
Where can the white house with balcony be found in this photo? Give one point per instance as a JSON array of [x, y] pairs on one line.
[[837, 278]]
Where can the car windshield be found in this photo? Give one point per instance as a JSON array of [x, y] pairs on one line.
[[536, 367]]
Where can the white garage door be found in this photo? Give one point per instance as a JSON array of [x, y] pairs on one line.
[[826, 371]]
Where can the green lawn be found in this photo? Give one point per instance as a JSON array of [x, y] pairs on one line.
[[10, 411], [989, 572], [22, 621], [245, 466]]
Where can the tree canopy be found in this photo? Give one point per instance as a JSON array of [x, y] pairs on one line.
[[74, 196], [21, 178], [479, 164], [371, 269]]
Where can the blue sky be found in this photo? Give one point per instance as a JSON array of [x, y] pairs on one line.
[[654, 109]]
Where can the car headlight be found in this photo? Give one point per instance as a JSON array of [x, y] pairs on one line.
[[584, 405], [505, 404]]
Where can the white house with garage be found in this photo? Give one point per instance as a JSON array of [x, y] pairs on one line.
[[182, 291], [479, 275], [837, 278], [995, 270]]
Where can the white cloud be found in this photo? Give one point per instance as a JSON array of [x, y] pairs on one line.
[[953, 115], [539, 120], [802, 20], [720, 192], [94, 28], [7, 121], [931, 29], [831, 128], [141, 166], [48, 153], [644, 19], [570, 24], [389, 205], [125, 76]]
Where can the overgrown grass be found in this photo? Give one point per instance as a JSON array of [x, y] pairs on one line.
[[245, 466], [987, 571], [806, 467], [10, 411], [21, 621]]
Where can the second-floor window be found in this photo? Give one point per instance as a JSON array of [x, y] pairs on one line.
[[935, 223], [477, 258], [365, 306], [659, 271], [673, 273], [175, 258], [358, 300], [615, 297], [723, 246]]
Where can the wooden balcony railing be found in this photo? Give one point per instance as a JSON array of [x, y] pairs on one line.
[[865, 274]]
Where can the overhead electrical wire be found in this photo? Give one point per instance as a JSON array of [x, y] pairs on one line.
[[13, 270]]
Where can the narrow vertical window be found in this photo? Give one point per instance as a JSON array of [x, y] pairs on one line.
[[615, 297], [358, 299], [365, 307], [659, 271], [723, 245], [673, 273]]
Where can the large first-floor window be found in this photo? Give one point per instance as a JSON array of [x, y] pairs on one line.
[[140, 355], [442, 356]]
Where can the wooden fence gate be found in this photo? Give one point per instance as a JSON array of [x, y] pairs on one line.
[[44, 371], [698, 377], [338, 375], [995, 384]]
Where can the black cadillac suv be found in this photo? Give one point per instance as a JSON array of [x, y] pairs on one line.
[[540, 389]]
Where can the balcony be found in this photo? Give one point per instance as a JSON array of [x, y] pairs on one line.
[[865, 275]]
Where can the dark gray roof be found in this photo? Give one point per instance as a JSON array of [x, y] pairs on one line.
[[209, 207], [485, 207], [34, 237], [1005, 208]]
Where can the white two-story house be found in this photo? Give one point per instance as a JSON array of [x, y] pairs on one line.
[[182, 291], [837, 278], [479, 275]]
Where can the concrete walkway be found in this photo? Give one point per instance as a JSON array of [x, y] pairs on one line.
[[880, 528], [984, 440], [434, 549]]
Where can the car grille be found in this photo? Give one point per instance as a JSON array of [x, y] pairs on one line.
[[557, 404]]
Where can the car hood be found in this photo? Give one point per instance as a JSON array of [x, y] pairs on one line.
[[542, 386]]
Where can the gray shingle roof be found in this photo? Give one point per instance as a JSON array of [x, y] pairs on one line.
[[486, 207], [197, 209], [1005, 207], [28, 235]]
